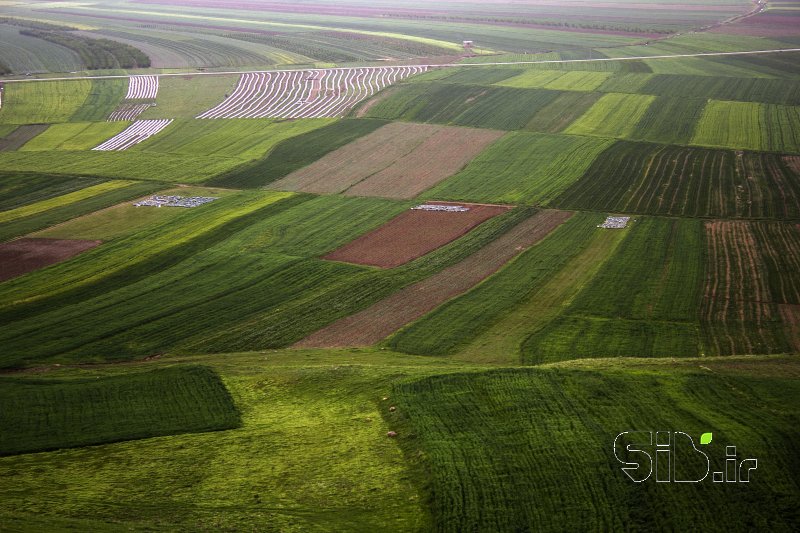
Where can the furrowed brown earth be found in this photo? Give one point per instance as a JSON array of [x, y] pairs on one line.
[[26, 255], [413, 234], [410, 303], [790, 314], [399, 160], [440, 156], [17, 138], [793, 162]]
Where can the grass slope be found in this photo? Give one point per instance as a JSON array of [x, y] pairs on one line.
[[104, 96], [63, 414], [613, 115], [749, 126], [74, 136], [43, 102]]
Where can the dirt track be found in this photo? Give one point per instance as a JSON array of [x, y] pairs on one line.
[[26, 255], [412, 234], [390, 314]]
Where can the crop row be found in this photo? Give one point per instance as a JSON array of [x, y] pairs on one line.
[[305, 94], [142, 88]]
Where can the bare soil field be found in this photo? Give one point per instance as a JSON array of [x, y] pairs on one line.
[[413, 234], [26, 255], [399, 160], [17, 138], [403, 307]]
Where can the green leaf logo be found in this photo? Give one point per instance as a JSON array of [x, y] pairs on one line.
[[705, 438]]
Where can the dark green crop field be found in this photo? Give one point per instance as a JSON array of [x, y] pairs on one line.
[[660, 179], [53, 414], [517, 450]]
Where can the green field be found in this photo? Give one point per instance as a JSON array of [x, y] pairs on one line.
[[500, 108], [104, 96], [659, 179], [523, 449], [669, 120], [32, 103], [56, 414], [749, 126], [17, 190], [74, 136], [613, 115], [187, 97], [295, 153], [525, 168]]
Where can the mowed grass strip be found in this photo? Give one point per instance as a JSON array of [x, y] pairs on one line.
[[43, 101], [47, 415], [533, 449], [74, 136], [749, 126], [613, 115], [522, 167], [295, 153], [58, 201], [671, 180], [390, 314]]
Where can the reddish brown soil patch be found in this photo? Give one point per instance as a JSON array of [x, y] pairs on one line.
[[793, 162], [26, 255], [390, 314], [413, 234]]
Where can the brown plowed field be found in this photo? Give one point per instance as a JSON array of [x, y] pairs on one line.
[[399, 160], [413, 234], [390, 314], [26, 255]]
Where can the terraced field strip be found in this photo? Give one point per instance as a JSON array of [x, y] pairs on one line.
[[396, 161], [58, 201], [306, 93], [502, 342], [166, 401], [139, 131], [412, 234], [658, 179], [410, 303], [613, 115], [19, 136], [751, 268], [142, 88], [26, 255], [127, 111]]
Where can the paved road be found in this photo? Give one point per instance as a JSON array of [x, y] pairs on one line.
[[440, 65]]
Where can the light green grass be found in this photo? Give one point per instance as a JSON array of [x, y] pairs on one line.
[[74, 136], [187, 97], [243, 139], [42, 102], [58, 201], [524, 167], [749, 126], [614, 115]]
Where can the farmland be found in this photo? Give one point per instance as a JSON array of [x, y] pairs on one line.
[[133, 406], [396, 161], [366, 266]]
